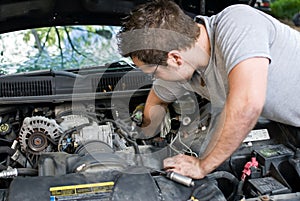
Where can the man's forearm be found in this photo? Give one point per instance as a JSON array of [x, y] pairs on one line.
[[154, 112], [235, 123], [155, 117]]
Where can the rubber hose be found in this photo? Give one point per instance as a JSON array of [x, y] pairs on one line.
[[225, 175], [27, 172], [7, 150]]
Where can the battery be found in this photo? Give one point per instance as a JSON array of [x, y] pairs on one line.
[[267, 185]]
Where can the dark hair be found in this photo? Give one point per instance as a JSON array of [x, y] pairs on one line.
[[153, 29]]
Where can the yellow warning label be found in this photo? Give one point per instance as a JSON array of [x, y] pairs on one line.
[[103, 187]]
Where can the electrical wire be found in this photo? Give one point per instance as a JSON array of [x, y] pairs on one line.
[[70, 131], [172, 147], [187, 150]]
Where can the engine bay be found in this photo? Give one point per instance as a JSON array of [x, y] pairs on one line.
[[71, 144]]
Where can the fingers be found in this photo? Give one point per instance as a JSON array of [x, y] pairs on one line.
[[172, 162], [179, 163], [185, 165]]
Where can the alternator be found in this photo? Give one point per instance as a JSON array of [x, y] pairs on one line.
[[36, 132]]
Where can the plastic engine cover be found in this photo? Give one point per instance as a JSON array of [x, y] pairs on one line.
[[135, 183]]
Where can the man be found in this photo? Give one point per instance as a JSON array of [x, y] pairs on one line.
[[243, 60]]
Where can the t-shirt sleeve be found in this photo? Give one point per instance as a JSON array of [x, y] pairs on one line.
[[241, 33], [168, 91]]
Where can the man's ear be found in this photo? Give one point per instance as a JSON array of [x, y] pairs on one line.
[[174, 58]]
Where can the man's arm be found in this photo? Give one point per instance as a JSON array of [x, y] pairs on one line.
[[154, 112], [247, 92]]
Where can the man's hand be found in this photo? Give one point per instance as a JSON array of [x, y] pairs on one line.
[[186, 165], [137, 114]]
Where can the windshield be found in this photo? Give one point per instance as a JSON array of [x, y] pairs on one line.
[[58, 48]]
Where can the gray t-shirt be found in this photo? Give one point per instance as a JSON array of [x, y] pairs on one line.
[[237, 33]]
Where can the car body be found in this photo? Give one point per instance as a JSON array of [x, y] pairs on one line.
[[296, 19], [263, 5], [68, 122]]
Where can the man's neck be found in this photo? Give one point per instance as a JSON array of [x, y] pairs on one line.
[[203, 39], [202, 48]]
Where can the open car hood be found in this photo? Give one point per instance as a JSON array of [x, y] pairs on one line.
[[15, 15], [22, 14]]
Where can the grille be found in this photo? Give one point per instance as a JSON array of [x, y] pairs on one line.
[[118, 82], [25, 88]]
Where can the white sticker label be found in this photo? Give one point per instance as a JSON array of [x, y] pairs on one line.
[[257, 135]]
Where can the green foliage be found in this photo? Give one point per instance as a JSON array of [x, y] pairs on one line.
[[285, 9], [26, 37]]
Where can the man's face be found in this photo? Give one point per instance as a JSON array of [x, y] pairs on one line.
[[172, 72]]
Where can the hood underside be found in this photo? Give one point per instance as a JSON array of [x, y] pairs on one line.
[[16, 15], [22, 14]]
